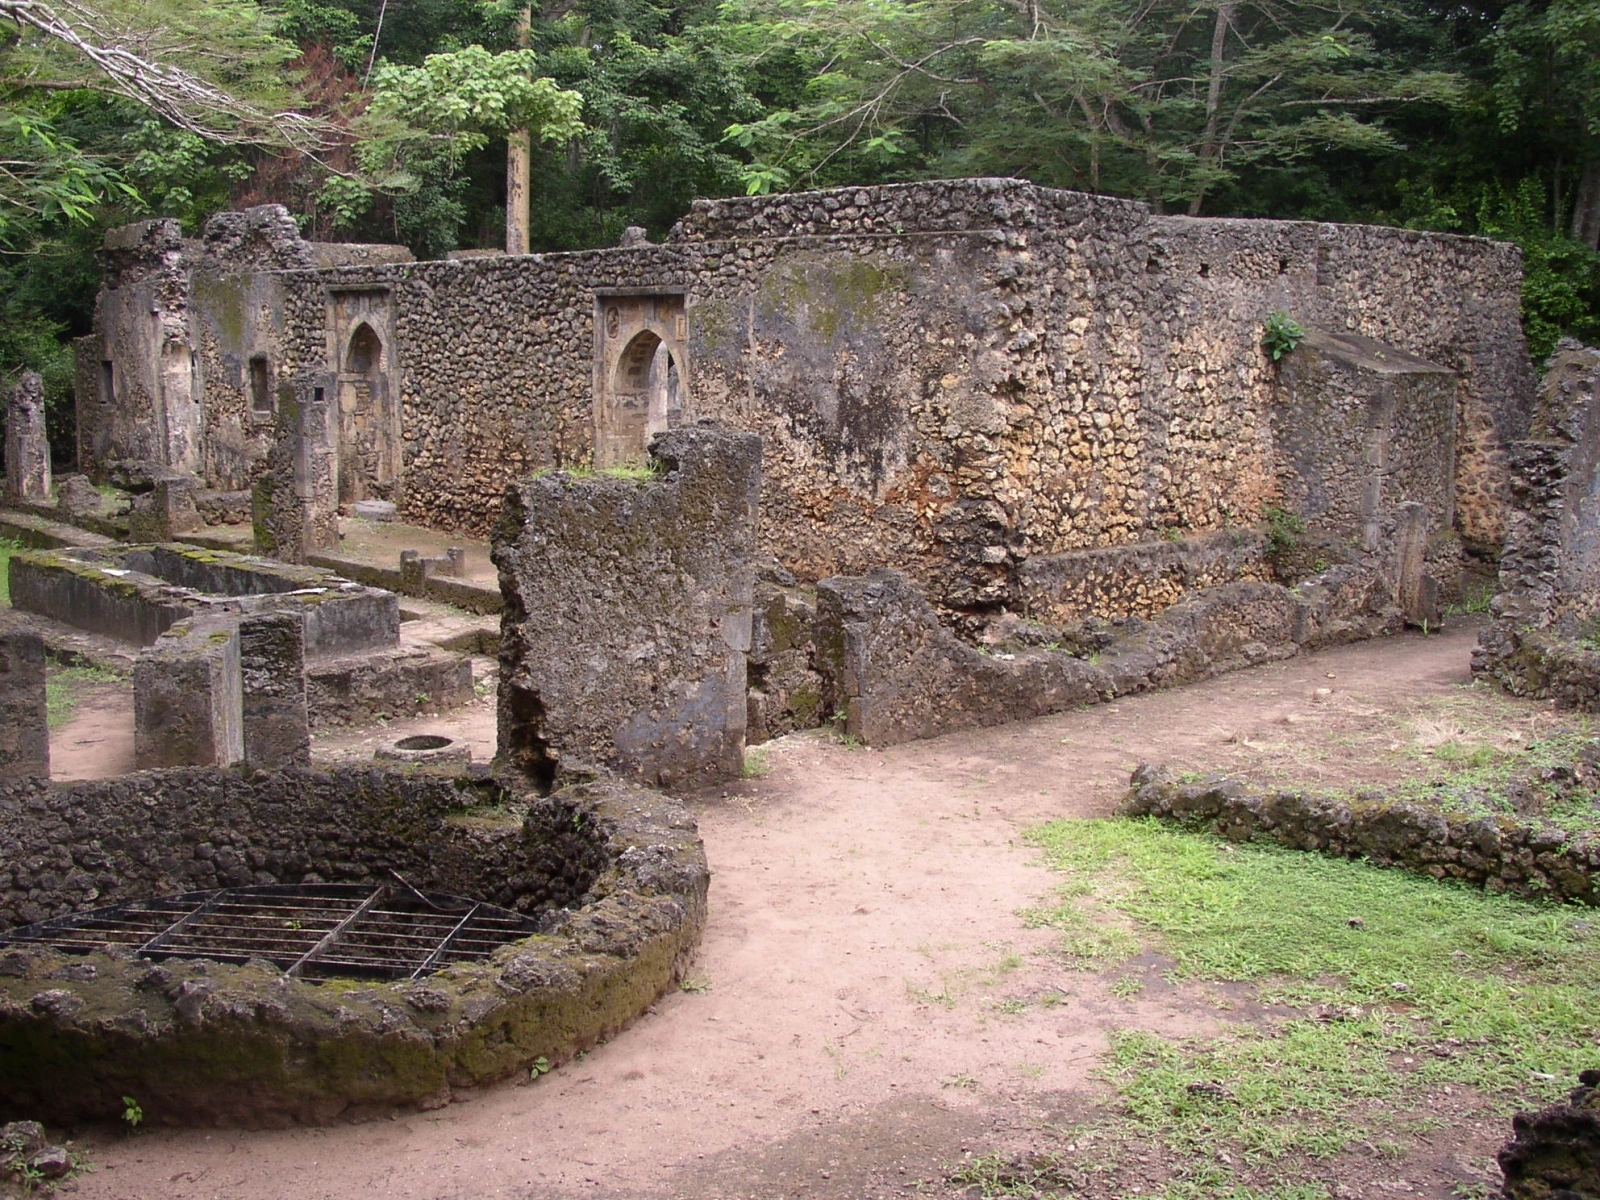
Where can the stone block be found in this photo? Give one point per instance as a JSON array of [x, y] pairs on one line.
[[24, 731], [272, 653], [1361, 428], [386, 685], [27, 445], [77, 497], [188, 697], [627, 616], [164, 512]]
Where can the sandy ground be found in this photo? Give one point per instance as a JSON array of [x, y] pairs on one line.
[[868, 1005]]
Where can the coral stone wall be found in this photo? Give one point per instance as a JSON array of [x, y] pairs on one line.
[[1545, 639], [955, 377], [628, 610]]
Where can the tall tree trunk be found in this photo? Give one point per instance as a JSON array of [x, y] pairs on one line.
[[519, 153], [1586, 206], [1208, 140]]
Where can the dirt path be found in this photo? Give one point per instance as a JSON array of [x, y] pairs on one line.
[[869, 1005]]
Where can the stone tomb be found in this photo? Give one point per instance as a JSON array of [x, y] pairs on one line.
[[239, 652]]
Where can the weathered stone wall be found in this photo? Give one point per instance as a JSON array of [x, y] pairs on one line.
[[618, 874], [1360, 429], [1545, 638], [627, 615], [1529, 858], [896, 674], [956, 377]]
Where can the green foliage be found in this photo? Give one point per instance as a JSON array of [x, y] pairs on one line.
[[1561, 277], [1399, 985], [1280, 334], [8, 547], [132, 1112], [1284, 530]]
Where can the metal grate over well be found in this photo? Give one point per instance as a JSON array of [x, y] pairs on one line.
[[313, 931]]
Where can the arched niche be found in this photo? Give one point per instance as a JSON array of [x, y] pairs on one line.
[[367, 465], [640, 376]]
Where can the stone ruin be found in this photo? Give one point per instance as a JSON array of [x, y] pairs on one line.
[[1545, 638], [1046, 411], [908, 459]]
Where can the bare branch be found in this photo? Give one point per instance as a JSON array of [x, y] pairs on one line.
[[185, 99]]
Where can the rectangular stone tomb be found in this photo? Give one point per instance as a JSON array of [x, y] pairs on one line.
[[136, 593]]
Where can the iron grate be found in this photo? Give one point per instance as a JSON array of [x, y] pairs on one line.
[[312, 931]]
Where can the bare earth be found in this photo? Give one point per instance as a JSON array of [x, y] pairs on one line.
[[868, 1006]]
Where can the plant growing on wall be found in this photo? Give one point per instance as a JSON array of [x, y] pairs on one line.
[[1280, 334]]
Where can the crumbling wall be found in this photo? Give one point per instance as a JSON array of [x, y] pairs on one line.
[[627, 614], [895, 673], [957, 377], [1545, 638]]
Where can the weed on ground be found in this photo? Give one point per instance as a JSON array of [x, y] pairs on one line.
[[64, 688], [1404, 994], [8, 547]]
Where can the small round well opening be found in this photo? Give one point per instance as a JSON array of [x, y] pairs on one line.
[[423, 741]]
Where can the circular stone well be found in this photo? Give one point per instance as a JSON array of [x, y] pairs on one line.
[[426, 752], [610, 880]]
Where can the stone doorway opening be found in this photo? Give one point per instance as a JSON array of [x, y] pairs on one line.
[[640, 384]]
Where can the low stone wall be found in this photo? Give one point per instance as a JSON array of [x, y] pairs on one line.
[[618, 874], [1139, 579], [137, 593], [1500, 853], [897, 674]]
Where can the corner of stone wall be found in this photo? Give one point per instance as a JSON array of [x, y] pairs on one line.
[[1544, 640]]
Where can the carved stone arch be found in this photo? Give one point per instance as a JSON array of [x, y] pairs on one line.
[[364, 355], [366, 417], [641, 377]]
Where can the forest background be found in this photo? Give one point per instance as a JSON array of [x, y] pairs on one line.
[[389, 120]]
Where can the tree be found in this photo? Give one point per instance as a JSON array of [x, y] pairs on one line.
[[1162, 99]]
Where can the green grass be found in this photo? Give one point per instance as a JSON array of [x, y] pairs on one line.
[[63, 688], [8, 547], [1479, 780], [1401, 985]]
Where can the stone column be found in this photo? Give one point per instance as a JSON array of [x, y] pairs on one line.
[[295, 501], [27, 446], [24, 733], [187, 698], [272, 657]]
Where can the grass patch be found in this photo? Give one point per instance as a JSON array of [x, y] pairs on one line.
[[8, 547], [1535, 780], [755, 764], [63, 688], [1401, 985]]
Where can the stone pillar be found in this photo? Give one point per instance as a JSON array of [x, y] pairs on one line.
[[627, 615], [188, 698], [295, 501], [24, 733], [272, 668], [27, 446], [1416, 591]]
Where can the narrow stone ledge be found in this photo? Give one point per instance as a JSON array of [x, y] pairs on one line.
[[1497, 853]]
